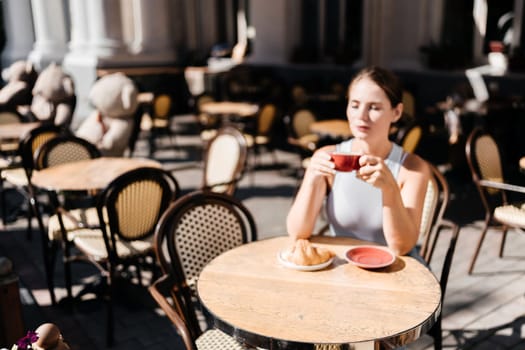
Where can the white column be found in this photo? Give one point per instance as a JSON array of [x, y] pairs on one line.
[[80, 62], [152, 39], [79, 28], [106, 32], [18, 28], [50, 32]]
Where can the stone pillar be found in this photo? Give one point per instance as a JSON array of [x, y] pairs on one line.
[[80, 62], [152, 38], [18, 28], [106, 36], [49, 18]]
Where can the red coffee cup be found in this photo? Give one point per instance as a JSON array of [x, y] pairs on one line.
[[345, 161]]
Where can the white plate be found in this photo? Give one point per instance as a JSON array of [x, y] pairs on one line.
[[282, 260]]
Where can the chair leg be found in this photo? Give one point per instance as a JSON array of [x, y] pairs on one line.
[[3, 202], [478, 248], [436, 332], [110, 336], [29, 229], [503, 239]]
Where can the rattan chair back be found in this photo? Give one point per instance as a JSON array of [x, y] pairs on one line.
[[484, 162], [301, 121], [194, 230], [64, 149], [133, 204], [410, 137], [224, 161], [432, 225], [266, 119]]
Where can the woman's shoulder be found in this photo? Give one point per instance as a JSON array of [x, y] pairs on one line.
[[414, 164]]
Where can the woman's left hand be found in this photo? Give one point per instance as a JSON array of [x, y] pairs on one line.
[[374, 171]]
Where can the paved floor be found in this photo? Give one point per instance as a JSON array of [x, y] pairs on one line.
[[485, 310]]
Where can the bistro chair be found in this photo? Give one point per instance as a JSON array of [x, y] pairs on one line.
[[485, 165], [409, 137], [300, 138], [128, 210], [20, 176], [159, 121], [431, 230], [194, 230], [61, 150], [224, 161], [261, 139], [208, 123]]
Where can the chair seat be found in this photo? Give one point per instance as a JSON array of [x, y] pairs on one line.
[[91, 242], [88, 217], [15, 176], [511, 215], [215, 339]]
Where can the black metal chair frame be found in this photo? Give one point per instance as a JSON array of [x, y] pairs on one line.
[[107, 204], [44, 159], [167, 241]]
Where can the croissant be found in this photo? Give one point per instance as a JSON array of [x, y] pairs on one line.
[[304, 253]]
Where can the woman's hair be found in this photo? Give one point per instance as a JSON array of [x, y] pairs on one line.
[[385, 79]]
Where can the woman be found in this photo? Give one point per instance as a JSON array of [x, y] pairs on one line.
[[382, 201]]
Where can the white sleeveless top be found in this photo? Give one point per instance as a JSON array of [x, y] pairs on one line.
[[354, 208]]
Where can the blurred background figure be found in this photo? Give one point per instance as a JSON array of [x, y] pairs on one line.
[[20, 77], [111, 124], [54, 97]]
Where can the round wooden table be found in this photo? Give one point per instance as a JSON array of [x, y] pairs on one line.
[[87, 175], [228, 108], [334, 128], [16, 131], [254, 298]]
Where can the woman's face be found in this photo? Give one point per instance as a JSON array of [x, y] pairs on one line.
[[369, 110]]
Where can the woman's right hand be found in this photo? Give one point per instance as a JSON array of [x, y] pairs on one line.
[[321, 164]]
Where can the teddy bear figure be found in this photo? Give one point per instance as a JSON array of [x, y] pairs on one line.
[[54, 97], [20, 77], [110, 126]]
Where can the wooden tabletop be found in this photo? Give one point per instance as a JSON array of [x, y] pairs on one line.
[[336, 128], [256, 299], [87, 175], [241, 109], [16, 131]]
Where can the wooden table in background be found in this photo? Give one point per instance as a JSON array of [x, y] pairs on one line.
[[252, 297], [228, 108], [16, 131], [87, 175]]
